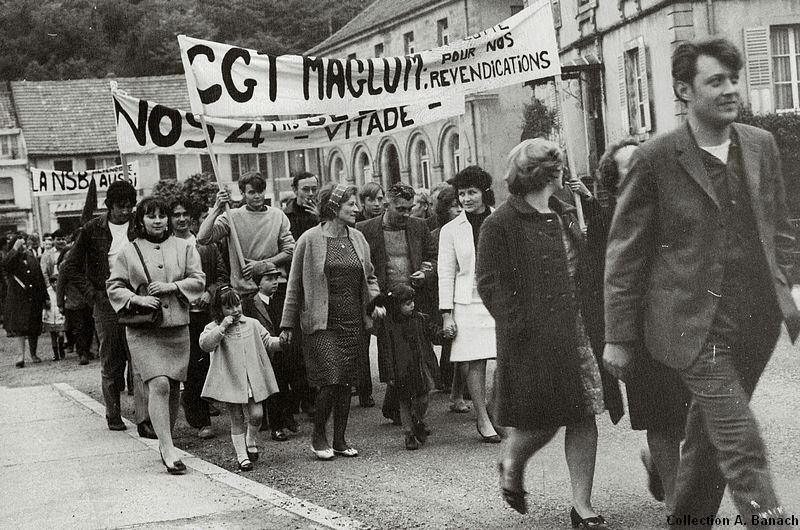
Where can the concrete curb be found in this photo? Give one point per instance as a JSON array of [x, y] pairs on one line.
[[321, 516]]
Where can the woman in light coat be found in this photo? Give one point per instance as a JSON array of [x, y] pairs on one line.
[[464, 316], [160, 355]]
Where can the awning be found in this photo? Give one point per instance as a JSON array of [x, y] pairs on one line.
[[572, 68], [580, 64], [57, 207]]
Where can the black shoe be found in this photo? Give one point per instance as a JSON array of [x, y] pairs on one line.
[[291, 424], [278, 435], [20, 364], [421, 431], [412, 444], [252, 453], [653, 479], [366, 402], [178, 467], [146, 430], [493, 439], [514, 498], [596, 523], [116, 424], [245, 465], [83, 360], [212, 410]]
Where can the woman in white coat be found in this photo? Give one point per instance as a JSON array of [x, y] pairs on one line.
[[464, 316]]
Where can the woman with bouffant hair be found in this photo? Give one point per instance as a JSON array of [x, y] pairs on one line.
[[531, 274], [173, 280], [464, 317], [330, 292]]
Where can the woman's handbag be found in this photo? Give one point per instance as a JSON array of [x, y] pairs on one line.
[[136, 316]]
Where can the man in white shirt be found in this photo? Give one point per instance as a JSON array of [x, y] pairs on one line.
[[89, 262]]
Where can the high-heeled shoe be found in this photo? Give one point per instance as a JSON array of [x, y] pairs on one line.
[[493, 439], [514, 498], [595, 523], [178, 467], [245, 464]]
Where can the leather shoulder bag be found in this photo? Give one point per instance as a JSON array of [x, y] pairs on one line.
[[136, 316]]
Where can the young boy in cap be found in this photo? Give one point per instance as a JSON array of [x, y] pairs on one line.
[[265, 307]]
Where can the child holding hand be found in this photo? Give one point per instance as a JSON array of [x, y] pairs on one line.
[[410, 363], [240, 374]]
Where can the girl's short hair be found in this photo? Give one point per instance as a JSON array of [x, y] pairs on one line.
[[225, 296], [475, 177], [531, 164], [331, 197], [148, 205], [399, 295]]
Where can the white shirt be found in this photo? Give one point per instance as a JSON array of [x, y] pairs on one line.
[[719, 151], [119, 238], [264, 298]]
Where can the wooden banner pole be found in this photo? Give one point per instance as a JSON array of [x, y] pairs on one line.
[[234, 237]]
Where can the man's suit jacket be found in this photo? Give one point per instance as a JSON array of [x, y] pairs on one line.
[[421, 247], [665, 247]]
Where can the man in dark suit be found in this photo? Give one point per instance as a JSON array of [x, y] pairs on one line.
[[399, 245], [696, 264]]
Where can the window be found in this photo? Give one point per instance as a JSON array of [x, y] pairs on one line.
[[586, 5], [206, 167], [421, 165], [442, 35], [785, 47], [379, 50], [102, 163], [451, 154], [556, 5], [408, 42], [6, 190], [8, 146], [243, 164], [62, 165], [167, 167], [338, 173], [634, 90], [297, 161], [363, 167]]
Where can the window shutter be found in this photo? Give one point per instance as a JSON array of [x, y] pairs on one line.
[[758, 66], [623, 95], [648, 125], [756, 49]]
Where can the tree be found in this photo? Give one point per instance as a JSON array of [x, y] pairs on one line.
[[201, 190], [538, 120]]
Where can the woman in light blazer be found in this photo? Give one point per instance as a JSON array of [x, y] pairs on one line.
[[464, 316], [331, 290], [160, 355]]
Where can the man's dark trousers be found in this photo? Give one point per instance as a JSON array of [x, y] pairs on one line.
[[723, 442]]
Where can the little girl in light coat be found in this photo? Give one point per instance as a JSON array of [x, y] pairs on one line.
[[240, 374]]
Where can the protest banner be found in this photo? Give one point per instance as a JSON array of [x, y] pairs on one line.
[[51, 182], [146, 127], [228, 81]]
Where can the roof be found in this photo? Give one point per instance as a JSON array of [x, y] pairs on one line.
[[8, 118], [373, 16], [76, 116]]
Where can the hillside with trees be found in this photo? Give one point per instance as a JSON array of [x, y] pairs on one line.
[[71, 39]]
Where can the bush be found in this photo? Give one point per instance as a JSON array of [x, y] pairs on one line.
[[786, 129], [199, 188]]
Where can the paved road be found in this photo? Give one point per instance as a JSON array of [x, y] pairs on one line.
[[452, 482]]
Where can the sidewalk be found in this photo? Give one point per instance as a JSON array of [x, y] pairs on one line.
[[60, 467]]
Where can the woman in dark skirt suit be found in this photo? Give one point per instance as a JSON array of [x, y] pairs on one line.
[[331, 285], [531, 276], [159, 355]]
